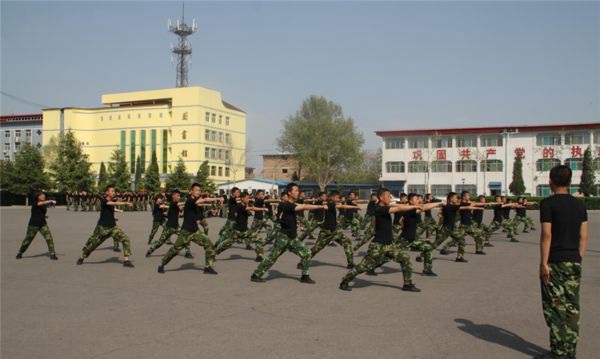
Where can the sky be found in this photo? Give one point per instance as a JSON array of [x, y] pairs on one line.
[[390, 65]]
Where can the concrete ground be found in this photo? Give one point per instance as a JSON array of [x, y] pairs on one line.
[[487, 308]]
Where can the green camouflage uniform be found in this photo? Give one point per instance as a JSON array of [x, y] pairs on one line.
[[164, 237], [183, 241], [236, 236], [326, 236], [457, 234], [469, 230], [101, 234], [31, 232], [379, 254], [425, 247], [283, 243], [155, 226], [560, 303]]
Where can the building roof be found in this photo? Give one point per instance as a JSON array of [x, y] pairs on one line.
[[495, 129], [231, 107], [279, 183], [31, 117], [282, 154]]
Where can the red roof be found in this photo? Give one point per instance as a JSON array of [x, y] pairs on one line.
[[497, 129], [21, 118]]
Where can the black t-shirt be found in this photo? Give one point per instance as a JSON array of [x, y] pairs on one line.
[[38, 215], [173, 215], [383, 225], [449, 213], [411, 220], [157, 213], [301, 213], [566, 213], [318, 214], [371, 208], [506, 212], [231, 204], [241, 218], [498, 213], [288, 219], [259, 203], [190, 215], [397, 218], [478, 216], [349, 213], [521, 212], [107, 214], [330, 217], [466, 217]]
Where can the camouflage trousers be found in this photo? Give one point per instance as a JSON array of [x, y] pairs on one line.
[[560, 303], [101, 234], [365, 237], [155, 226], [309, 228], [377, 255], [508, 225], [327, 236], [226, 227], [425, 247], [183, 240], [259, 224], [356, 225], [473, 231], [272, 233], [164, 237], [427, 226], [204, 224], [31, 232], [283, 243], [235, 236], [457, 234], [526, 221]]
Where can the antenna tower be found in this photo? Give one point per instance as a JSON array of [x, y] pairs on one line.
[[181, 54]]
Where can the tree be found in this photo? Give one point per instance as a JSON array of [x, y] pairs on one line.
[[322, 139], [6, 168], [27, 174], [295, 177], [137, 179], [517, 186], [152, 176], [367, 170], [70, 168], [102, 177], [203, 178], [118, 172], [588, 180], [179, 178]]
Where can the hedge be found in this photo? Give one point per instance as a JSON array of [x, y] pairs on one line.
[[590, 202]]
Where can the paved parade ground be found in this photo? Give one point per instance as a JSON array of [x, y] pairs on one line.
[[487, 308]]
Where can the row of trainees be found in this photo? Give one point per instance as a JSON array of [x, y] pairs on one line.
[[563, 239], [283, 234]]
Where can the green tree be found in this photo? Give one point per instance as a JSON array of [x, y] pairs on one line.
[[517, 186], [322, 139], [27, 175], [6, 168], [179, 178], [203, 178], [70, 168], [152, 176], [295, 177], [118, 172], [366, 170], [588, 180], [102, 177], [137, 179]]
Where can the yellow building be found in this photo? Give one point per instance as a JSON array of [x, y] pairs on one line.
[[191, 123]]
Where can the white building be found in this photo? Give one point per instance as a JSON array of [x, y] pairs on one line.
[[481, 159]]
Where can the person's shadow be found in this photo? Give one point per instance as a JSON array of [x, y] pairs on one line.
[[494, 334]]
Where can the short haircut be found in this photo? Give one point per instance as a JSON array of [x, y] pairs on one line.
[[411, 196], [322, 193], [244, 194], [290, 185], [381, 192], [480, 197], [260, 191], [334, 193], [284, 193], [450, 195], [109, 187], [374, 194], [561, 175], [403, 195], [234, 189], [195, 184], [463, 193], [175, 191]]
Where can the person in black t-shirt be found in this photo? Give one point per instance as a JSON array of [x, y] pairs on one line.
[[398, 216], [158, 216], [273, 232], [352, 215], [382, 248], [330, 231], [428, 225], [368, 230], [171, 226], [190, 232], [260, 222], [521, 215], [315, 218], [287, 237], [107, 227], [563, 243], [239, 232], [467, 225], [37, 223], [448, 227]]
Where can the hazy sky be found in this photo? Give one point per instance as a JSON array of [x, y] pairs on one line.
[[391, 65]]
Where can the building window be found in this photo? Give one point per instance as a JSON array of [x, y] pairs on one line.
[[213, 153], [149, 115], [226, 171], [575, 164], [597, 142], [18, 133], [471, 188], [546, 164], [596, 164], [418, 143], [7, 147], [491, 166], [579, 138], [417, 188], [284, 170], [220, 119], [139, 115], [206, 152], [573, 188], [207, 116], [221, 137], [184, 153], [441, 142], [227, 138], [220, 171], [160, 115], [213, 135], [101, 118], [214, 118], [491, 141], [394, 143], [466, 141], [128, 116], [220, 154], [17, 146], [542, 190], [394, 167], [417, 166], [7, 134], [466, 166], [548, 139], [440, 190], [226, 121], [206, 135], [185, 116], [213, 170], [118, 117], [441, 166]]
